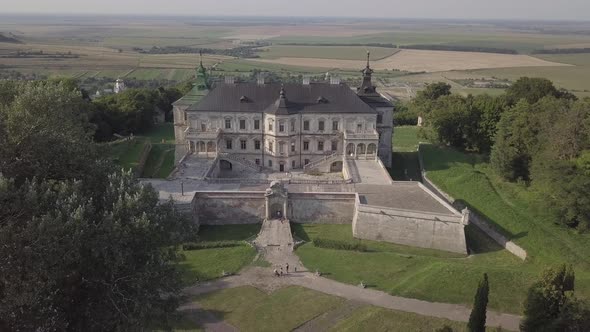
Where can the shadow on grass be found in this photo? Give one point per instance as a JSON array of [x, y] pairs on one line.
[[460, 204], [299, 232], [440, 158], [405, 166]]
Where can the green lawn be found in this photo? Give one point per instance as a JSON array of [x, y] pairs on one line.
[[421, 273], [250, 309], [162, 131], [377, 319], [206, 264], [405, 139], [127, 153]]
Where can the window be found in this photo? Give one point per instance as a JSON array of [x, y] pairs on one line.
[[359, 128], [334, 145], [320, 146], [256, 145], [292, 146], [282, 147], [257, 161], [321, 126], [379, 118], [306, 161], [270, 146], [243, 144], [185, 116], [227, 123], [228, 144], [293, 164], [281, 127], [242, 124], [334, 125], [256, 124], [270, 125], [306, 125], [203, 126], [270, 163], [292, 125], [305, 146]]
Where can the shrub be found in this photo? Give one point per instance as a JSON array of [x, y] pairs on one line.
[[210, 245], [339, 245]]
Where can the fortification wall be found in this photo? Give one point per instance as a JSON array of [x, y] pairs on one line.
[[225, 208], [425, 230], [321, 208]]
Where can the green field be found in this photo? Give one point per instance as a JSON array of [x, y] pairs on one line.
[[206, 264], [420, 273], [405, 165], [250, 309], [126, 153], [327, 52]]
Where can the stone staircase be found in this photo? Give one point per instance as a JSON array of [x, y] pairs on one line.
[[323, 160]]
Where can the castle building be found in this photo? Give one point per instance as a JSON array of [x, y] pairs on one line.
[[284, 127]]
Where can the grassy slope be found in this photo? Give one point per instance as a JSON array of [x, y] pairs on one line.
[[420, 273], [512, 208], [127, 153], [250, 309], [206, 264]]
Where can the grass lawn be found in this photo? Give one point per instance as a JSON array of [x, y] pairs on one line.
[[181, 324], [405, 139], [127, 153], [160, 162], [250, 309], [421, 273], [162, 131], [513, 209], [206, 264], [376, 319]]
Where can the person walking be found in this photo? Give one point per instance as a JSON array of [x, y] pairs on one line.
[[287, 267]]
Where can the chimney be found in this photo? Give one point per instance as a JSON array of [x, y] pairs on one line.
[[260, 79], [229, 80], [306, 80], [334, 80]]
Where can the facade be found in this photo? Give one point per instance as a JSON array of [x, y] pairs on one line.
[[284, 127]]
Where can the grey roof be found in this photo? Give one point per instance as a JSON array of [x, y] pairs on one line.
[[298, 98]]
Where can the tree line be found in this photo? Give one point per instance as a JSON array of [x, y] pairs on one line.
[[85, 247], [534, 133]]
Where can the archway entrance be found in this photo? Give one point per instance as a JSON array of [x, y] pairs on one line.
[[336, 167], [225, 165], [350, 149], [276, 211]]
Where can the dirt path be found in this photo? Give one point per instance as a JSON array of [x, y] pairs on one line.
[[276, 245]]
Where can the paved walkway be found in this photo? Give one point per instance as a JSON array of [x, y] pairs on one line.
[[276, 245]]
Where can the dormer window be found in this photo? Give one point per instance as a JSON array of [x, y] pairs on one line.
[[244, 99], [322, 100]]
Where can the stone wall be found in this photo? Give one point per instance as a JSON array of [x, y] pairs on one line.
[[321, 208], [225, 208], [425, 230]]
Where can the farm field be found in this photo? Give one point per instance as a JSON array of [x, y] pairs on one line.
[[423, 61], [326, 52]]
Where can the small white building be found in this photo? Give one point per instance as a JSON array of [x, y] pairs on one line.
[[119, 86]]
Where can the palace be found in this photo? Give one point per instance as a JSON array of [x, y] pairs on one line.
[[285, 127], [312, 152]]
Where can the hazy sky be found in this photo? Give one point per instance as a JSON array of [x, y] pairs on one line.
[[474, 9]]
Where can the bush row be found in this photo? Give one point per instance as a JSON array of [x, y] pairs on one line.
[[210, 245], [339, 245]]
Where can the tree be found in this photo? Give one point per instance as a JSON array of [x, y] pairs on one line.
[[79, 260], [477, 318], [547, 299], [516, 139], [434, 91], [47, 133], [531, 90]]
